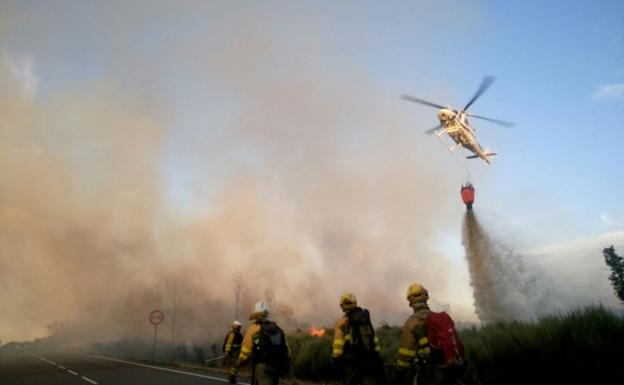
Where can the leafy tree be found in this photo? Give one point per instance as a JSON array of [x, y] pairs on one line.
[[616, 264]]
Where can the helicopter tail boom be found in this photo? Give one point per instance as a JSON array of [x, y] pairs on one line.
[[485, 154]]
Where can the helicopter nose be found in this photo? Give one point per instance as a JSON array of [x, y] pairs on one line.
[[444, 114]]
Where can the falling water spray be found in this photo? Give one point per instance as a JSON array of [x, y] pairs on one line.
[[504, 289]]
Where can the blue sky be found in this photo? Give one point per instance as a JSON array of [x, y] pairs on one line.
[[322, 81], [549, 60]]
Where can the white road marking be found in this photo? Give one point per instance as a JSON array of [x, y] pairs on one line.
[[88, 380], [42, 359], [64, 368], [159, 368]]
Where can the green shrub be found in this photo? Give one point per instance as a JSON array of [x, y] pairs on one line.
[[311, 356], [389, 338], [583, 346]]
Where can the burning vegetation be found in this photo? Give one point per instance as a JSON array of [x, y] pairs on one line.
[[317, 332]]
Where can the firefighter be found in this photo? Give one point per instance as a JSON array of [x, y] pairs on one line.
[[414, 356], [355, 350], [265, 345], [232, 344]]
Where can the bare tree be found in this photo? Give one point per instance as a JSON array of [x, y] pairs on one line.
[[175, 290], [239, 291], [269, 297]]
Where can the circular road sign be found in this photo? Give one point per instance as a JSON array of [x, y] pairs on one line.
[[156, 317]]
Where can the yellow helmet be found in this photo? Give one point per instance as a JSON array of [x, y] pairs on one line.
[[348, 300], [417, 293]]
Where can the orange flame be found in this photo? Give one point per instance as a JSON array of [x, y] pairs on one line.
[[317, 332]]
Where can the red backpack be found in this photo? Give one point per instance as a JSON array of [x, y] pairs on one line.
[[446, 348]]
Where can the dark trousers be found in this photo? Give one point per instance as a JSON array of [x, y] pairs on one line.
[[230, 359], [432, 375], [265, 374], [361, 372]]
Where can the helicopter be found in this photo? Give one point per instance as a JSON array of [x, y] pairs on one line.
[[455, 123]]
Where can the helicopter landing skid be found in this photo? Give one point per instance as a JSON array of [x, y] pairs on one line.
[[439, 134]]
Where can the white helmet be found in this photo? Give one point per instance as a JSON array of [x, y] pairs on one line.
[[261, 307], [237, 323]]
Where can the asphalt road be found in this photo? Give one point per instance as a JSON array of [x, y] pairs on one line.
[[21, 366]]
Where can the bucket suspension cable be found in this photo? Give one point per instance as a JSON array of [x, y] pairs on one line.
[[467, 191], [468, 177]]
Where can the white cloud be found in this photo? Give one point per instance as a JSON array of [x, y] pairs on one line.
[[609, 91], [577, 268], [606, 219], [23, 69], [595, 242]]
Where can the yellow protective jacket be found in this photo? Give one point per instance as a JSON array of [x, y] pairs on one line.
[[250, 339], [246, 347], [248, 342], [414, 342], [231, 343], [342, 336]]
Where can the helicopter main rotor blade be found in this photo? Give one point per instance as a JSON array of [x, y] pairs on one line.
[[497, 121], [434, 129], [421, 101], [485, 84]]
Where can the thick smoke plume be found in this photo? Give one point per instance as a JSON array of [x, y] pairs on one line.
[[504, 289], [317, 192]]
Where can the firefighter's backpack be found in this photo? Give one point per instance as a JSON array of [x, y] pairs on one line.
[[447, 349], [361, 333], [270, 347]]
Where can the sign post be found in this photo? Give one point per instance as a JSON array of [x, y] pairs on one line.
[[156, 317]]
